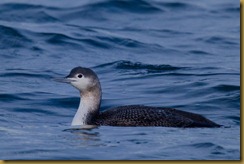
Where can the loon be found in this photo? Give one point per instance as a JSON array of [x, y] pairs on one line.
[[87, 82]]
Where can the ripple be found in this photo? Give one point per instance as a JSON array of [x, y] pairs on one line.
[[68, 40], [127, 42], [227, 8], [128, 65], [232, 9], [62, 39], [157, 32], [33, 13], [14, 73], [139, 65], [29, 96], [10, 97], [175, 5], [98, 11], [139, 6], [218, 40], [198, 52], [70, 102], [97, 43], [18, 6], [21, 74], [207, 145], [227, 88], [11, 37], [33, 110], [180, 6]]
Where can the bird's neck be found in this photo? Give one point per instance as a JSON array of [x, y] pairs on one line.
[[88, 108]]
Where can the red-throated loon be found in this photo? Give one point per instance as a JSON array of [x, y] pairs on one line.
[[87, 82]]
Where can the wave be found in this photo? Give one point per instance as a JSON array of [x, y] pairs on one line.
[[32, 13], [219, 40], [128, 65], [7, 97], [70, 102], [44, 74], [11, 37], [99, 41], [199, 52], [179, 6], [62, 39], [139, 6], [226, 88]]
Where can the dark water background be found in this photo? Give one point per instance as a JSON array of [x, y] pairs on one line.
[[182, 54]]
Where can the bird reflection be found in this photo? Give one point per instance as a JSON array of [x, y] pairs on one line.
[[85, 135]]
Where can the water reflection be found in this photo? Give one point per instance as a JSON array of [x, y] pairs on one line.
[[84, 135]]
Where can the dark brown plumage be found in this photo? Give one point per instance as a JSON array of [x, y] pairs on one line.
[[138, 115]]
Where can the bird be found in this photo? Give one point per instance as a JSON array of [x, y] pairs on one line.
[[88, 113]]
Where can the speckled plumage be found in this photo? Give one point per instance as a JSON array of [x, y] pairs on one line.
[[138, 115], [87, 82]]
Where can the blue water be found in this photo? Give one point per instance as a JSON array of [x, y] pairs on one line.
[[181, 54]]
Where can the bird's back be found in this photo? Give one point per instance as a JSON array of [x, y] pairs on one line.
[[138, 115]]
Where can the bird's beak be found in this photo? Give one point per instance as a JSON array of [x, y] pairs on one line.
[[64, 80]]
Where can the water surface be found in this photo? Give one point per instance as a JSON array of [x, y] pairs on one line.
[[180, 54]]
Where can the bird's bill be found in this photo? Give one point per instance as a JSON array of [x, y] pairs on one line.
[[64, 80]]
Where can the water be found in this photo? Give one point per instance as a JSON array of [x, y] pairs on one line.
[[181, 54]]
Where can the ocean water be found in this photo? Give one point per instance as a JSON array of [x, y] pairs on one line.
[[180, 54]]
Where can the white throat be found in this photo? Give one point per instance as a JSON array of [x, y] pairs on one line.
[[81, 114], [88, 107]]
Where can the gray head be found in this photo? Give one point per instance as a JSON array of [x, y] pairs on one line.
[[84, 79]]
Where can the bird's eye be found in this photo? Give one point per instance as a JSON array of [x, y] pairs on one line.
[[80, 76]]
